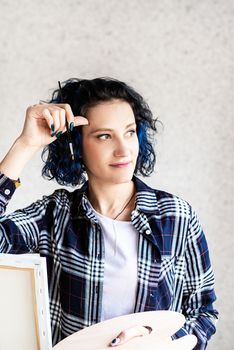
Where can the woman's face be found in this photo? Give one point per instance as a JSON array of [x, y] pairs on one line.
[[109, 143]]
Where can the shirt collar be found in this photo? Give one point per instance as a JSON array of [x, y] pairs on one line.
[[146, 206], [146, 200]]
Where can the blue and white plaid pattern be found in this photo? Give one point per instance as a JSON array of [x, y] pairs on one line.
[[174, 270]]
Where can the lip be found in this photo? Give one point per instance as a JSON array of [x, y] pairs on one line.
[[120, 165]]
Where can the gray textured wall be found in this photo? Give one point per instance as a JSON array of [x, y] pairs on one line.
[[179, 55]]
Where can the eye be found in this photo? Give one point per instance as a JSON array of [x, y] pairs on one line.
[[131, 132], [103, 136]]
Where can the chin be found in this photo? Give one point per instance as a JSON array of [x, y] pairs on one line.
[[107, 177], [122, 178]]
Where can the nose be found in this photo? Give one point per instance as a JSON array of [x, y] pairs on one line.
[[121, 148]]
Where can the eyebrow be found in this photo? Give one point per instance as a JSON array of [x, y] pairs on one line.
[[108, 129]]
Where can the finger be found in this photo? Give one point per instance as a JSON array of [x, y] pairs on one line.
[[49, 119], [78, 121], [56, 119], [71, 119], [69, 114], [128, 334], [62, 119]]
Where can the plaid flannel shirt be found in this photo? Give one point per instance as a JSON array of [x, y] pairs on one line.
[[174, 270]]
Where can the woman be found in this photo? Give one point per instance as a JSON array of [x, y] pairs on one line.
[[115, 245]]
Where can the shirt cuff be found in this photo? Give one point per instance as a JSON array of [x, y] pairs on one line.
[[8, 186], [181, 333]]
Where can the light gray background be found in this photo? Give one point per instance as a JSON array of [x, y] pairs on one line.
[[179, 55]]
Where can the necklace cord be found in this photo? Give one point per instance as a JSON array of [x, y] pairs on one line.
[[125, 206]]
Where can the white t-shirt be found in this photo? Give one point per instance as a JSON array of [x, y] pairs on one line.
[[120, 276]]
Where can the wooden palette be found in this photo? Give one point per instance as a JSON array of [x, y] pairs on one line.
[[163, 323]]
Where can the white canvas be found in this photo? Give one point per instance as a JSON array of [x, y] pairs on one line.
[[24, 303]]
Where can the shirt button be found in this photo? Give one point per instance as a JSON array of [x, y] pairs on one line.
[[148, 232], [7, 191]]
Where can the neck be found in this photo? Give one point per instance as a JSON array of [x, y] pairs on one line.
[[109, 200]]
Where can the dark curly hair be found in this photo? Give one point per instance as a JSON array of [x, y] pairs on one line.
[[81, 94]]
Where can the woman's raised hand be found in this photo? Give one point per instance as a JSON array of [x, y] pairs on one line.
[[45, 122]]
